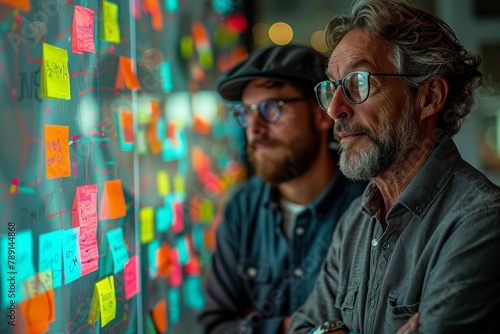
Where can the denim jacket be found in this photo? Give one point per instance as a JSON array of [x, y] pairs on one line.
[[258, 275]]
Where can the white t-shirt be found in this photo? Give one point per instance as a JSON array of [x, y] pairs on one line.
[[290, 212]]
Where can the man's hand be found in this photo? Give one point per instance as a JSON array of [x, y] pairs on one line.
[[410, 326], [286, 324]]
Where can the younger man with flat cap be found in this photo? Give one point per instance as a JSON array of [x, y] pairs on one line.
[[277, 226]]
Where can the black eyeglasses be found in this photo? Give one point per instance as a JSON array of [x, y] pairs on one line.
[[355, 86], [270, 111]]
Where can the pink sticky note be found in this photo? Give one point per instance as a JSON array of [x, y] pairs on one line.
[[85, 216], [178, 224], [175, 278], [130, 277], [83, 30]]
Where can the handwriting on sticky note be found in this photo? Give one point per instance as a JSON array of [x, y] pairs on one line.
[[71, 255], [107, 299], [50, 255], [118, 249], [55, 74], [146, 216], [130, 277], [57, 159], [111, 29], [82, 38]]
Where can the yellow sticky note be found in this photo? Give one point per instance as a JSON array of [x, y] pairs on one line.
[[107, 299], [146, 215], [111, 29], [57, 160], [163, 183], [55, 75], [179, 184]]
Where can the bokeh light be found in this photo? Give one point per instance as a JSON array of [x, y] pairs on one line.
[[318, 41], [260, 33], [280, 33]]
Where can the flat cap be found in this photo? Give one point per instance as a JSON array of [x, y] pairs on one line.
[[290, 63]]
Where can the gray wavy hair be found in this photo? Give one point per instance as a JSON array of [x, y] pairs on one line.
[[423, 44]]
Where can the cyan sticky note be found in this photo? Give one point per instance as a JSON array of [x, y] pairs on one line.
[[174, 305], [182, 247], [175, 151], [193, 293], [166, 76], [50, 255], [197, 233], [164, 216], [153, 258], [172, 6], [118, 249], [71, 255]]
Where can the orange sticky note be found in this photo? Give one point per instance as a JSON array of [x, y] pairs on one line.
[[164, 260], [126, 74], [24, 5], [155, 110], [127, 126], [57, 159], [153, 7], [159, 315], [82, 35], [111, 28], [38, 312], [201, 125], [113, 201]]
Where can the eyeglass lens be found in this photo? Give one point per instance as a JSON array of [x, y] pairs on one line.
[[355, 86], [268, 110]]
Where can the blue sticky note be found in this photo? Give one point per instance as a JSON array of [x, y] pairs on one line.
[[174, 305], [50, 255], [182, 248], [118, 249], [71, 255], [164, 217], [166, 71], [172, 5], [153, 258], [193, 293], [16, 252], [175, 152]]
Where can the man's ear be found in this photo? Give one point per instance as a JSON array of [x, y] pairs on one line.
[[432, 97]]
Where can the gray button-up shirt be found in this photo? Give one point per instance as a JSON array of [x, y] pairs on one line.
[[439, 255]]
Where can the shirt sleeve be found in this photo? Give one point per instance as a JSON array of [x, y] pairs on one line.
[[462, 292]]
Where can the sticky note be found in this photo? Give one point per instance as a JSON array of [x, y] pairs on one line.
[[130, 274], [111, 29], [175, 278], [71, 255], [57, 159], [202, 125], [146, 216], [106, 299], [16, 252], [50, 255], [118, 249], [54, 79], [153, 248], [176, 148], [38, 313], [194, 209], [163, 182], [172, 5], [167, 84], [159, 315], [126, 76], [174, 305], [183, 249], [164, 260], [207, 211], [24, 5], [82, 36], [153, 8], [164, 217], [125, 129], [45, 282], [113, 201], [178, 224], [197, 233], [84, 215], [193, 293]]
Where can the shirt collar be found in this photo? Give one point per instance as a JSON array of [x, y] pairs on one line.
[[425, 186]]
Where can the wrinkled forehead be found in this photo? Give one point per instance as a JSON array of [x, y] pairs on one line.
[[360, 50]]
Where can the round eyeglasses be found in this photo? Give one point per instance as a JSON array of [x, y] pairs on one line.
[[355, 86], [270, 111]]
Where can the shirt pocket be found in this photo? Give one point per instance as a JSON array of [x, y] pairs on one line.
[[346, 300], [256, 272], [401, 311]]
